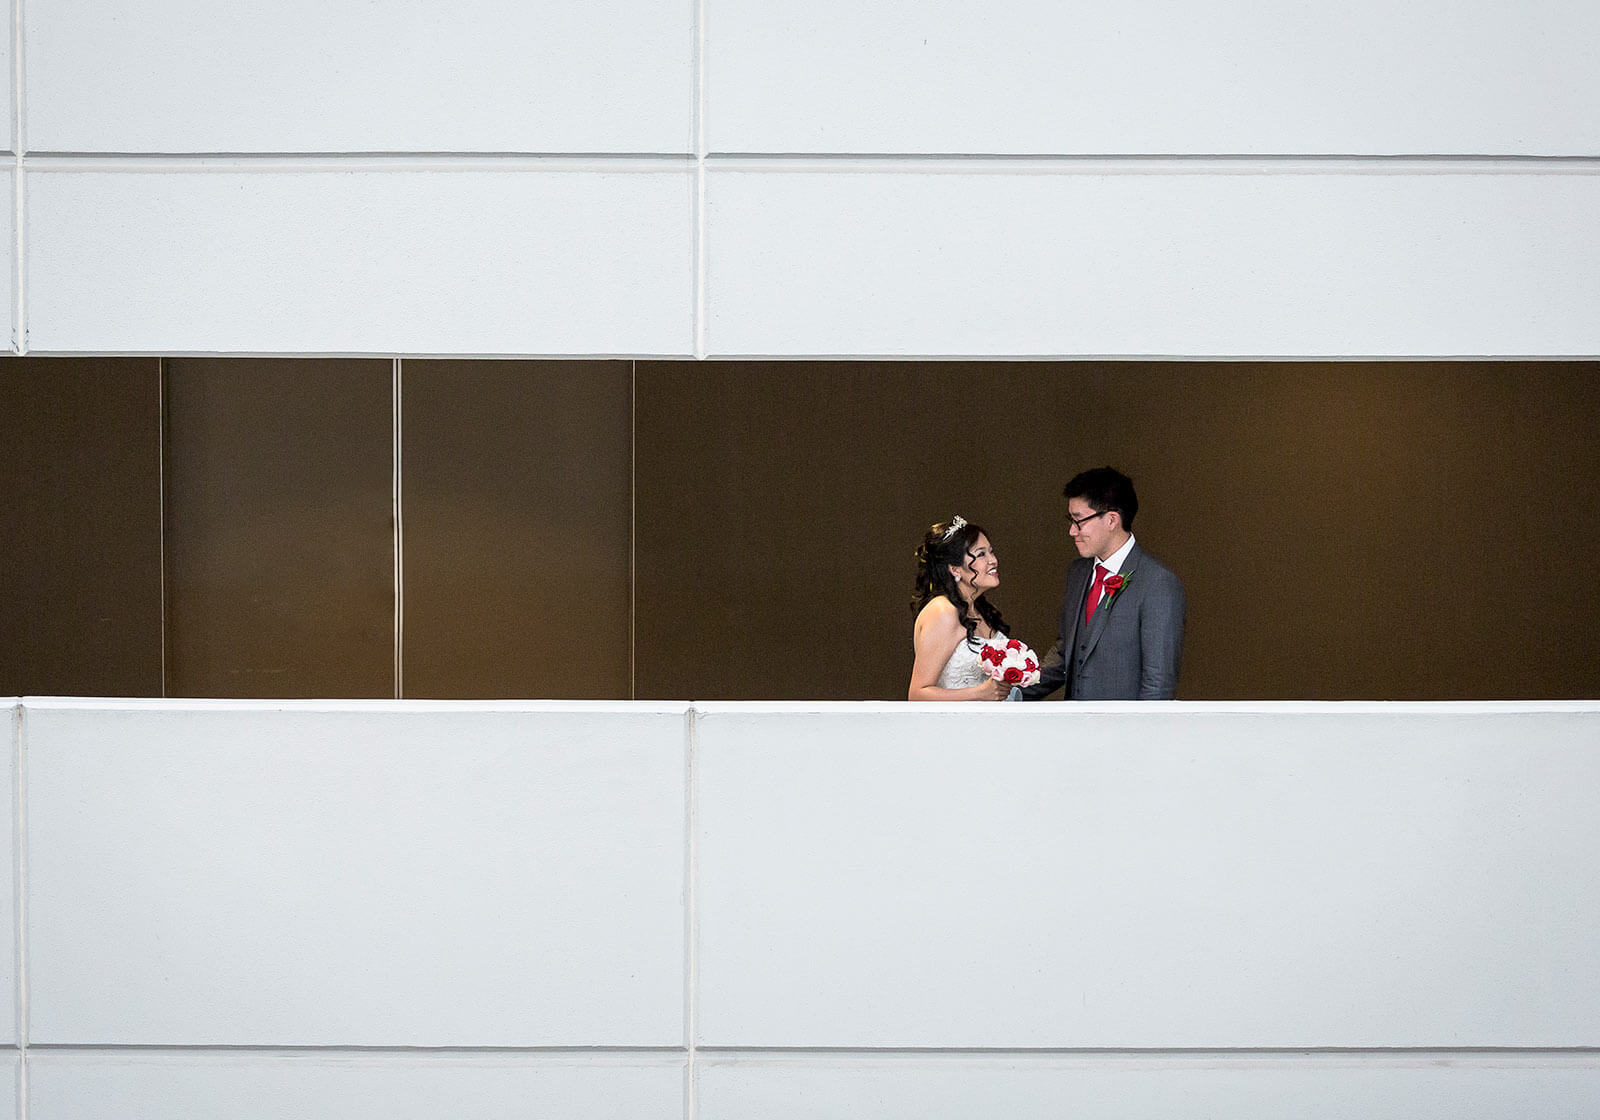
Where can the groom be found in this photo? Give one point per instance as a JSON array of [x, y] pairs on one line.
[[1121, 632]]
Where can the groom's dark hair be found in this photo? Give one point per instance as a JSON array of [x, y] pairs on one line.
[[1105, 488]]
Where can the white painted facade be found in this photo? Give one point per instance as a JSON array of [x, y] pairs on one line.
[[737, 910], [828, 178], [728, 911]]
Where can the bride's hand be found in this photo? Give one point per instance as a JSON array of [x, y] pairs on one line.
[[993, 690]]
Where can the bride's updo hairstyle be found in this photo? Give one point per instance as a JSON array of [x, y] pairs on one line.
[[949, 544]]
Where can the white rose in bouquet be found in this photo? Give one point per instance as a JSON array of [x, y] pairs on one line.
[[1009, 661]]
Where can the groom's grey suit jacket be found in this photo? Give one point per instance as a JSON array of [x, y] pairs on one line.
[[1131, 649]]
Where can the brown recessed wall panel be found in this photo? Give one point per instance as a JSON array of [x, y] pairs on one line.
[[80, 485], [279, 517], [517, 480], [1344, 530]]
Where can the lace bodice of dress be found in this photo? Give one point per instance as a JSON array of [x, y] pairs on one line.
[[963, 670]]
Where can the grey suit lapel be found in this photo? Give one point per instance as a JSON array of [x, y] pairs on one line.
[[1102, 613]]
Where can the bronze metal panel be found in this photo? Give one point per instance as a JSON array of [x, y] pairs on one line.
[[1344, 530], [517, 517], [280, 553], [80, 486]]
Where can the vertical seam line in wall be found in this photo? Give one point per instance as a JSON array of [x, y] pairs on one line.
[[161, 508], [691, 948], [19, 871], [19, 212], [699, 113], [399, 532]]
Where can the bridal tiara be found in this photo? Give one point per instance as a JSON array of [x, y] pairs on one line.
[[957, 523]]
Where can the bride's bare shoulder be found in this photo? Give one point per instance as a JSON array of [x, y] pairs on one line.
[[937, 616]]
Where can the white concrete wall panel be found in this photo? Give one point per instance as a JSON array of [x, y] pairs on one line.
[[1189, 260], [362, 261], [330, 1086], [11, 713], [346, 76], [8, 98], [1017, 76], [8, 259], [1166, 1087], [243, 876], [1037, 877]]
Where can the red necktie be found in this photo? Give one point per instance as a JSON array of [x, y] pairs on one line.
[[1100, 575]]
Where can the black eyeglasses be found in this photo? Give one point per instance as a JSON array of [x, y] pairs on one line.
[[1080, 522]]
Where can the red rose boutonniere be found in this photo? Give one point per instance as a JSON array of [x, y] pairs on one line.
[[1115, 584]]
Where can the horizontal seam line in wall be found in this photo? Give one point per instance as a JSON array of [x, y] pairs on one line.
[[782, 157], [643, 162], [203, 1048], [1145, 163], [462, 153], [1080, 157], [1224, 164], [1163, 1051], [1242, 1052]]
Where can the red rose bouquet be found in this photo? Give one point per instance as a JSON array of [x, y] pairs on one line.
[[1009, 661]]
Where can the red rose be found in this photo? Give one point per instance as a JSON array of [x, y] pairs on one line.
[[1032, 664], [1013, 675], [1013, 644], [1113, 584]]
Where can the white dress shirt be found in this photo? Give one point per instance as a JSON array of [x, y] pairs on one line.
[[1113, 565]]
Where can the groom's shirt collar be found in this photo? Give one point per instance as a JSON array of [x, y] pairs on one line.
[[1118, 558]]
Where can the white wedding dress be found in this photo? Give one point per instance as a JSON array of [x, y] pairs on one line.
[[964, 669]]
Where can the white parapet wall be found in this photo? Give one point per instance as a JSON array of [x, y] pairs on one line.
[[724, 910], [804, 178]]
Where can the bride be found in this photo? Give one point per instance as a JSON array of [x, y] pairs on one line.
[[956, 567]]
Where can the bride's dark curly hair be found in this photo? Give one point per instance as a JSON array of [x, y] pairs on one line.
[[946, 545]]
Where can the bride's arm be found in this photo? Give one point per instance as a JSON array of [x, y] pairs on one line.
[[938, 632]]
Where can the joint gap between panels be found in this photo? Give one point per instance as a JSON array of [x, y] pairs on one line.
[[354, 1048], [702, 151], [1223, 166], [269, 162], [1130, 1053], [1154, 157], [46, 154]]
